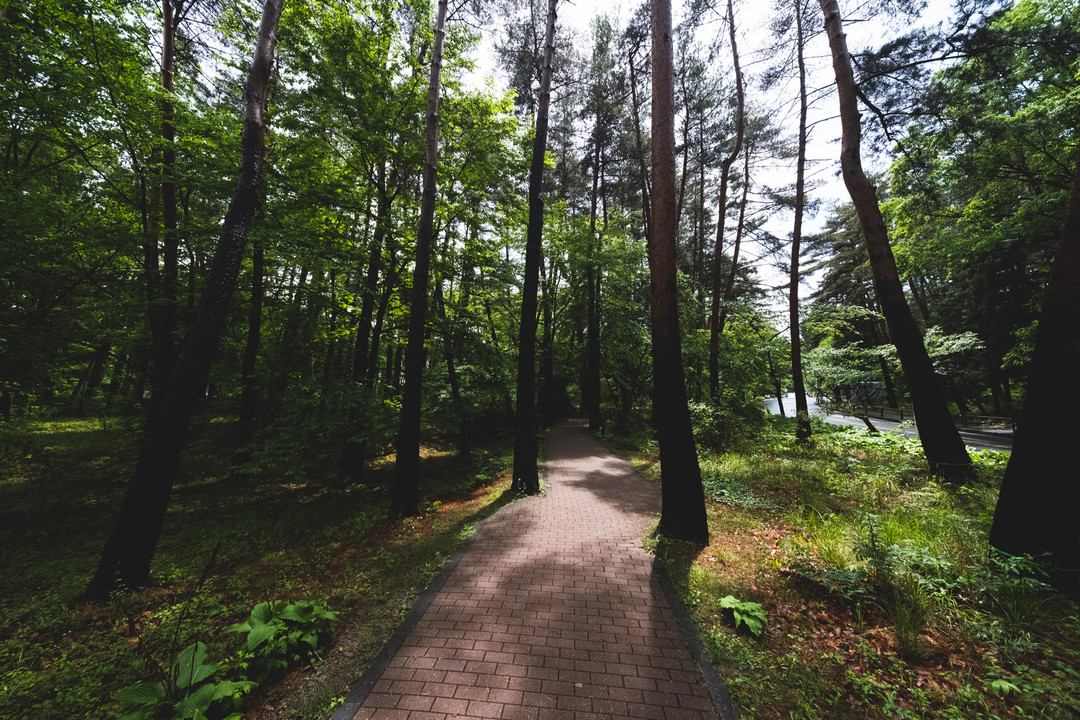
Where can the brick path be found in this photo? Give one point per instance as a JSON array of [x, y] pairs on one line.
[[553, 612]]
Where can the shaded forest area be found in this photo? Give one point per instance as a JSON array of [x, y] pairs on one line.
[[288, 295]]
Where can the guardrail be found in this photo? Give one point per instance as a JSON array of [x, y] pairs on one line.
[[900, 414]]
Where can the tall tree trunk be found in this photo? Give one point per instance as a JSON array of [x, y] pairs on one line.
[[683, 499], [729, 289], [645, 191], [163, 302], [526, 478], [1040, 497], [380, 319], [699, 244], [125, 560], [289, 339], [351, 466], [592, 372], [405, 493], [941, 442], [449, 324], [725, 173], [249, 394], [546, 401], [802, 408]]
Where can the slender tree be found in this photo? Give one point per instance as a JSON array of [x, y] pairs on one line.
[[1040, 498], [163, 293], [683, 512], [526, 479], [725, 172], [405, 495], [802, 412], [942, 445], [249, 397], [125, 560]]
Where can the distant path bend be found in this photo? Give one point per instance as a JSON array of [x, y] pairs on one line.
[[552, 613]]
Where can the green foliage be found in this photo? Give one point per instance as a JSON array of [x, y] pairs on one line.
[[749, 614], [188, 692], [732, 491], [280, 635]]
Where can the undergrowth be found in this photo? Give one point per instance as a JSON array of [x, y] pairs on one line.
[[880, 595], [272, 557]]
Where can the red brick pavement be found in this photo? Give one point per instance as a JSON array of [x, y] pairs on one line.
[[553, 612]]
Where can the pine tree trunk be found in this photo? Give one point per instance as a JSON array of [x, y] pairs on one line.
[[725, 174], [1039, 504], [802, 412], [729, 289], [639, 144], [405, 492], [942, 445], [683, 500], [591, 389], [526, 478], [125, 560]]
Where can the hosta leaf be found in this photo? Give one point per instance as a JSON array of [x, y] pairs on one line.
[[190, 667], [261, 614], [299, 612], [143, 693], [197, 702], [260, 634]]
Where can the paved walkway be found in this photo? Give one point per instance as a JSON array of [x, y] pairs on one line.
[[552, 613]]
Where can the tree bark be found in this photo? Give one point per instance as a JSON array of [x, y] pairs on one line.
[[942, 445], [682, 513], [405, 492], [125, 560], [351, 466], [592, 371], [1040, 497], [729, 289], [163, 304], [802, 412], [249, 394], [725, 173], [639, 144], [526, 479]]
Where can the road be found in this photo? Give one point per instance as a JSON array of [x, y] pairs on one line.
[[980, 440]]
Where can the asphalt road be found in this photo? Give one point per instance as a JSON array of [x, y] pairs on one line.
[[980, 440]]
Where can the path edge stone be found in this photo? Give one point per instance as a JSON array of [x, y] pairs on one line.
[[362, 688], [713, 682]]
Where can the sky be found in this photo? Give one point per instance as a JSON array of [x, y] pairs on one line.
[[753, 35]]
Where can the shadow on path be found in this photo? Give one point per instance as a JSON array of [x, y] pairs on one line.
[[552, 612]]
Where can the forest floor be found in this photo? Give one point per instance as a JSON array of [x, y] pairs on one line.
[[879, 595], [228, 545]]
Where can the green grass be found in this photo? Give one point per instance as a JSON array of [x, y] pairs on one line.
[[883, 597], [273, 537]]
